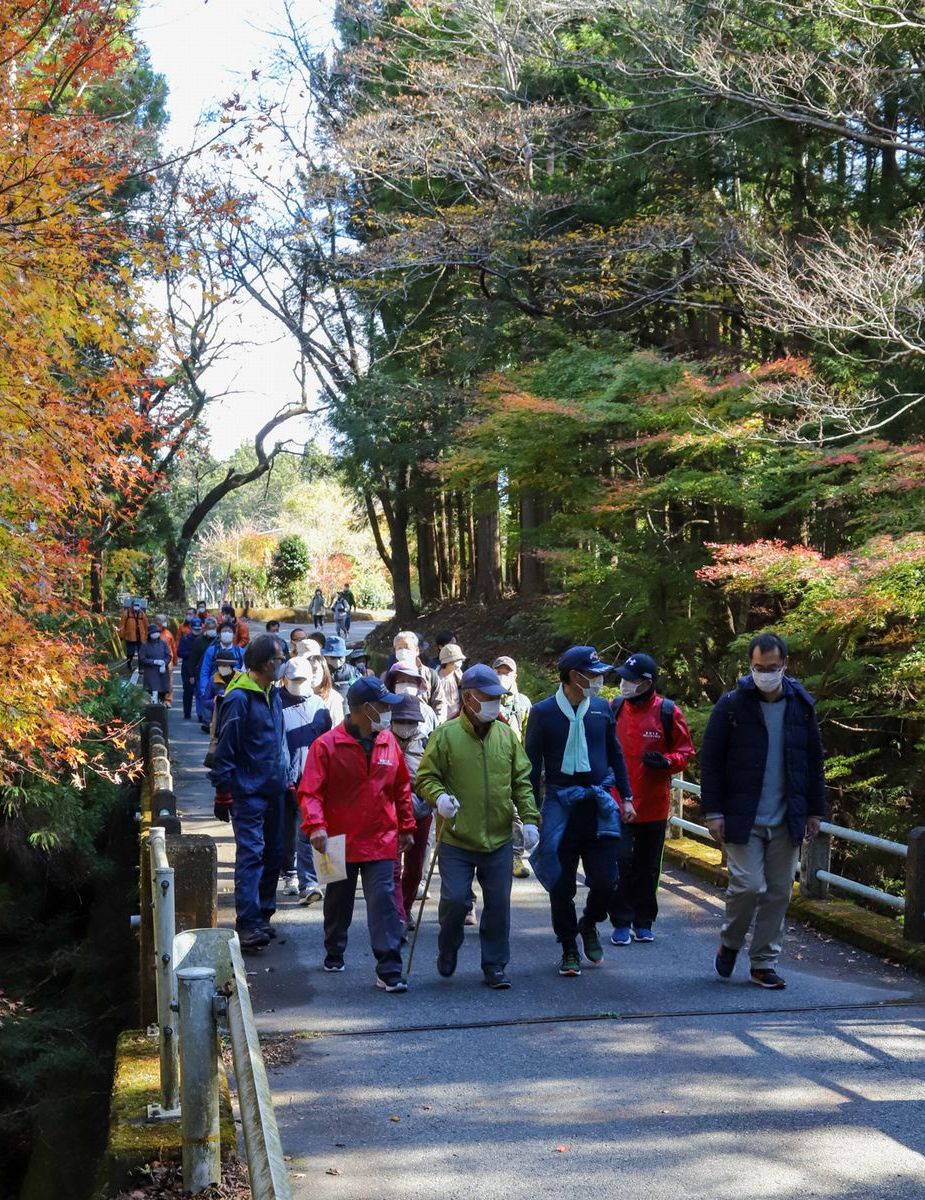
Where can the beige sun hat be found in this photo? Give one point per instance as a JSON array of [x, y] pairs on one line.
[[451, 653]]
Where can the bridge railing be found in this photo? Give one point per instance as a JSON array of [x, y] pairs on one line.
[[816, 876]]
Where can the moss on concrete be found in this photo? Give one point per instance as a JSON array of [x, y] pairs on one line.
[[133, 1140], [881, 935]]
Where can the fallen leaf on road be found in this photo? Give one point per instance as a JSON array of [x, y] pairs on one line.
[[332, 1171], [563, 1149], [394, 1118]]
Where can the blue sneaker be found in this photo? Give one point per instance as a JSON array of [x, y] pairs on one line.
[[621, 936], [643, 935]]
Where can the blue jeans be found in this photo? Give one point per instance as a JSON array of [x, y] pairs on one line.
[[493, 871], [258, 833], [297, 852], [382, 919]]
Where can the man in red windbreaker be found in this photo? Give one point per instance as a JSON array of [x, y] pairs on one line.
[[356, 783], [656, 743]]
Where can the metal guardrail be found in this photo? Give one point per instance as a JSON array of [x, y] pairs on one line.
[[211, 967], [202, 984], [815, 876]]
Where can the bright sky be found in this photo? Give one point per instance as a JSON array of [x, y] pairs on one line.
[[207, 49]]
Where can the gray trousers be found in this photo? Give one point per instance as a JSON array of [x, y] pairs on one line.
[[381, 915], [760, 886], [493, 871]]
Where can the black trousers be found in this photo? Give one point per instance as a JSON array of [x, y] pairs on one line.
[[598, 858], [635, 898]]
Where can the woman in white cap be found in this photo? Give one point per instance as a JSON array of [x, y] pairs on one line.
[[450, 676]]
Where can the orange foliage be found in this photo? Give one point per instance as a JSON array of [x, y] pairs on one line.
[[71, 362]]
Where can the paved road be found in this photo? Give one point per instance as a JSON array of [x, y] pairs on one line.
[[648, 1077]]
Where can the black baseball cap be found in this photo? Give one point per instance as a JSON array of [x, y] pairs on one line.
[[637, 667]]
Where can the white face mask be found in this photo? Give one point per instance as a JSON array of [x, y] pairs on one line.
[[485, 710], [379, 720], [768, 681], [154, 636], [225, 672], [298, 687], [406, 689], [210, 633], [404, 731], [591, 687], [633, 687], [335, 663], [317, 672], [507, 681], [227, 637]]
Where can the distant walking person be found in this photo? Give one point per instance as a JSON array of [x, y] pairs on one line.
[[762, 792], [250, 776], [306, 719], [316, 608], [656, 742], [133, 630], [155, 663], [187, 673]]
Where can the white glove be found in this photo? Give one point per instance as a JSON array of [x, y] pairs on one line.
[[531, 837], [447, 806], [163, 666]]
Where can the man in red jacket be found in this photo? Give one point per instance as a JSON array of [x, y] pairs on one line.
[[656, 743], [356, 783]]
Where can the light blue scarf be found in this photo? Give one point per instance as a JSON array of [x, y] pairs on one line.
[[575, 755]]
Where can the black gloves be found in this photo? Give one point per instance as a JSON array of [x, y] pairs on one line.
[[653, 759]]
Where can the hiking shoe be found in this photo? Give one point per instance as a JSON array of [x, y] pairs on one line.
[[410, 924], [521, 870], [470, 917], [333, 964], [497, 980], [621, 936], [392, 985], [291, 884], [310, 895], [725, 962], [643, 935], [254, 939], [591, 944], [766, 977], [270, 932], [446, 964], [570, 963]]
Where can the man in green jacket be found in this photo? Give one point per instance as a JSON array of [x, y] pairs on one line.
[[476, 774]]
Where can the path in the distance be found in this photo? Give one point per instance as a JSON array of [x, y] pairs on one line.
[[648, 1078]]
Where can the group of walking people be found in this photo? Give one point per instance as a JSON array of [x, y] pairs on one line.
[[311, 745]]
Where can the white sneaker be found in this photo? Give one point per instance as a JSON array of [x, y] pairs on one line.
[[310, 895], [291, 884]]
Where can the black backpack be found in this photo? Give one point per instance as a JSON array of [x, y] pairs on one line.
[[666, 712]]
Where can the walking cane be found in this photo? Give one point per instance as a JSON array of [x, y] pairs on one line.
[[441, 825]]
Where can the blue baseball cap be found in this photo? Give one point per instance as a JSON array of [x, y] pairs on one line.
[[638, 667], [334, 647], [195, 625], [370, 690], [480, 678], [585, 659], [409, 710]]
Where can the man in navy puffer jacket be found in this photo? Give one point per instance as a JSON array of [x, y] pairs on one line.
[[763, 791]]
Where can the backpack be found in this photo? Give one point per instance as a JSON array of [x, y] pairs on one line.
[[666, 712]]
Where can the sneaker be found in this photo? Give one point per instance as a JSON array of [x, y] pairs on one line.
[[766, 977], [591, 944], [570, 964], [291, 884], [621, 936], [521, 870], [497, 980], [270, 932], [254, 939], [446, 965], [333, 964], [643, 935], [310, 895], [470, 917], [392, 985], [725, 961], [410, 924]]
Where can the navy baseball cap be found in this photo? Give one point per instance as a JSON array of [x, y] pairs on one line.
[[334, 647], [195, 624], [585, 659], [409, 710], [480, 678], [638, 666], [370, 690], [356, 653]]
